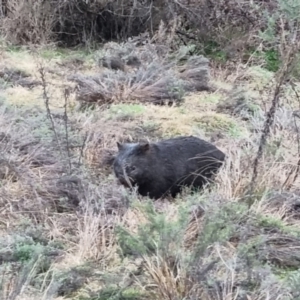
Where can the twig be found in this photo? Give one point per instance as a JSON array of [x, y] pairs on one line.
[[266, 131], [282, 77], [66, 96], [296, 172], [46, 99]]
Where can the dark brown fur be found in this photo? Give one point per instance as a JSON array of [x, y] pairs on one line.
[[164, 167]]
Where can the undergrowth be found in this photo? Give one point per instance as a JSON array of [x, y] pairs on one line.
[[69, 231]]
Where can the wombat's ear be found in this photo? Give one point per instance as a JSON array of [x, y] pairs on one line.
[[144, 147]]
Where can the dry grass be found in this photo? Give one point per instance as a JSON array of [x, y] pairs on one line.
[[28, 63], [63, 230], [155, 81], [28, 23]]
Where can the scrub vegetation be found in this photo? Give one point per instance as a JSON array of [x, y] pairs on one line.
[[76, 77]]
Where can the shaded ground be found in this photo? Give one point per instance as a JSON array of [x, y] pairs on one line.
[[68, 231]]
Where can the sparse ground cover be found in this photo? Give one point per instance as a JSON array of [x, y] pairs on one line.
[[69, 231]]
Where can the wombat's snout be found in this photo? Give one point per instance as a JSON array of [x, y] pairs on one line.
[[123, 177], [123, 181]]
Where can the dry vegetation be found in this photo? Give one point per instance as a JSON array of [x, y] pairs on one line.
[[155, 80], [69, 231], [233, 24]]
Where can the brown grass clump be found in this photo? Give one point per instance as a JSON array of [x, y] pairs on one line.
[[36, 188], [34, 169], [27, 159], [195, 74], [17, 77], [154, 81]]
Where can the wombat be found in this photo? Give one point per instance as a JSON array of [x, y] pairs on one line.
[[158, 169]]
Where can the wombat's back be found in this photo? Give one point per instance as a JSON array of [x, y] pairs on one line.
[[187, 147], [190, 160]]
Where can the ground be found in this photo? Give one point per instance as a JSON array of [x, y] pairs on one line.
[[69, 231]]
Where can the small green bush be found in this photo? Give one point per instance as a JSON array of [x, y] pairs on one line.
[[114, 293]]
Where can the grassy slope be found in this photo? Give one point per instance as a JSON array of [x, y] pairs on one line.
[[80, 246]]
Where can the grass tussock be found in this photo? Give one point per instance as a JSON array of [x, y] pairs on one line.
[[154, 81]]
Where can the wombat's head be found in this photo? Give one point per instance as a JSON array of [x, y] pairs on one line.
[[131, 163]]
